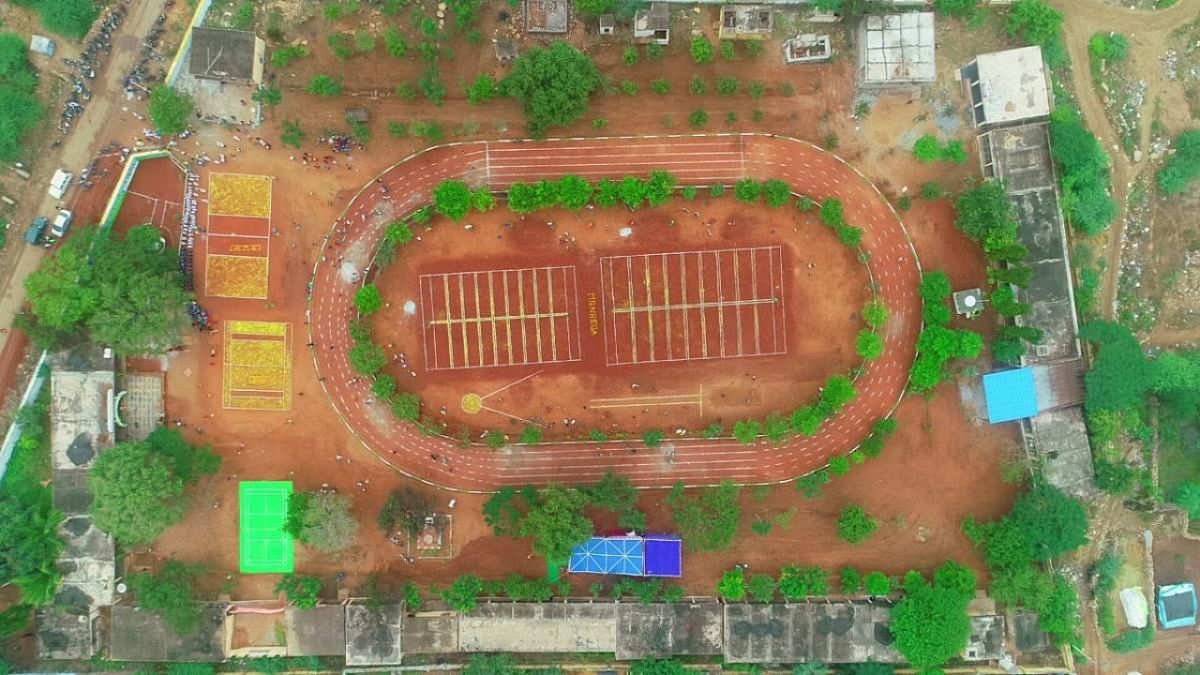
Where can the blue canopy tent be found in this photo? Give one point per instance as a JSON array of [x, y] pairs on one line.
[[1177, 605]]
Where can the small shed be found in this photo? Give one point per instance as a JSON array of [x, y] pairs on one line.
[[41, 44], [653, 24], [968, 302], [1010, 394], [608, 24], [357, 115], [506, 50], [1177, 605]]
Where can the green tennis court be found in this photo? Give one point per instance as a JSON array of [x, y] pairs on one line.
[[264, 546]]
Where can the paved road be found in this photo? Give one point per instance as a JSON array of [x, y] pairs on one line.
[[91, 132], [694, 159]]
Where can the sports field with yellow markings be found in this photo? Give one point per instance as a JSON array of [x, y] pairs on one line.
[[257, 367], [235, 276], [236, 194]]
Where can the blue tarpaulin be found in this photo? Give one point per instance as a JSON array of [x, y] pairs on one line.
[[653, 556]]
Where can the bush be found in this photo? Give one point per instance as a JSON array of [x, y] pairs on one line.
[[1180, 170], [69, 18], [1036, 21], [931, 190], [746, 431], [697, 86], [728, 86], [869, 345], [875, 314], [300, 591], [701, 50], [1133, 640], [282, 57], [850, 580], [732, 585], [855, 525], [660, 86], [652, 438], [698, 119], [878, 584], [324, 85]]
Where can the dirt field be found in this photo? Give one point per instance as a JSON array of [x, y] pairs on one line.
[[782, 300]]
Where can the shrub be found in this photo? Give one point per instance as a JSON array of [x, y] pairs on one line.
[[878, 584], [855, 525], [931, 190], [756, 89], [697, 86], [728, 86], [324, 85], [661, 86], [652, 438], [869, 345], [300, 591], [732, 585], [698, 119], [746, 431], [701, 50], [368, 300], [282, 57], [747, 190]]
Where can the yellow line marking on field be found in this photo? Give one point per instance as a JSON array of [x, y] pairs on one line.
[[666, 301], [537, 323], [650, 307], [508, 324], [478, 327], [462, 307], [550, 295], [492, 310], [449, 330]]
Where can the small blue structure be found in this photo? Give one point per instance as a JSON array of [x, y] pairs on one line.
[[664, 556], [1177, 605], [652, 556], [1010, 394]]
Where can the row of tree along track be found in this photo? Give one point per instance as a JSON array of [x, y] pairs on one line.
[[695, 160]]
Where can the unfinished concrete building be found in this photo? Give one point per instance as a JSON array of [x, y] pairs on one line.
[[745, 22]]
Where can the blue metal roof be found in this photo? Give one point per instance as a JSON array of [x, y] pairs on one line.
[[1010, 395], [1177, 605]]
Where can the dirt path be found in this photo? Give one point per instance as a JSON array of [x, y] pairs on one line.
[[1148, 32]]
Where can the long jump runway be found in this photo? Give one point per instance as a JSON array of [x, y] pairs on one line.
[[748, 311]]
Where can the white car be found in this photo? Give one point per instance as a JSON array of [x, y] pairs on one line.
[[62, 222], [59, 184]]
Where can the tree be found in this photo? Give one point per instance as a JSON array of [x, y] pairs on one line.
[[325, 86], [553, 85], [367, 358], [187, 462], [659, 187], [776, 193], [482, 90], [927, 149], [1051, 522], [291, 133], [985, 215], [732, 585], [405, 510], [761, 588], [574, 192], [462, 594], [300, 591], [652, 438], [701, 50], [1120, 375], [747, 190], [1036, 21], [502, 513], [1187, 497], [136, 495], [797, 583], [406, 406], [930, 623], [869, 344], [839, 465], [134, 280], [326, 522], [556, 522], [878, 584], [1183, 168], [850, 580], [452, 198], [806, 420], [170, 109], [855, 525], [28, 535], [837, 392], [708, 520], [170, 593], [269, 95], [367, 300], [632, 191], [746, 431], [958, 9], [832, 213]]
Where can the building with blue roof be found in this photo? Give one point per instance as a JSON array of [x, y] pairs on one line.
[[1010, 395], [1177, 605]]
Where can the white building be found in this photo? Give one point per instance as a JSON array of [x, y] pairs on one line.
[[1008, 87]]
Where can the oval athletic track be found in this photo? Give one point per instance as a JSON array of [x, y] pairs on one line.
[[698, 160]]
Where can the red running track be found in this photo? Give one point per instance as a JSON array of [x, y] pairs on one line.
[[699, 160]]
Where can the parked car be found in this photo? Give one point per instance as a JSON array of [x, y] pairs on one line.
[[59, 184], [33, 236], [62, 222]]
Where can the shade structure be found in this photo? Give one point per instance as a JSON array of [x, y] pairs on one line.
[[664, 556], [651, 556]]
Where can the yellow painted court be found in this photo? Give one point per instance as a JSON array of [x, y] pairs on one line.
[[236, 194], [236, 276], [257, 368]]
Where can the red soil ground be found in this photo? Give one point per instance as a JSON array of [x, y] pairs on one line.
[[154, 196], [817, 280]]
